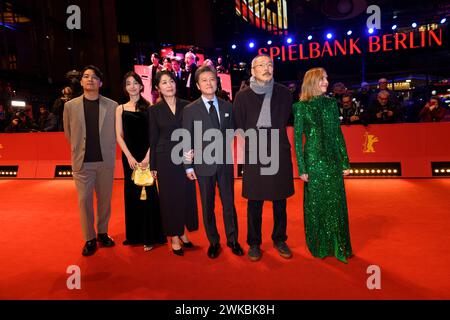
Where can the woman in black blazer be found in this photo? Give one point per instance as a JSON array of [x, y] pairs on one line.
[[177, 193]]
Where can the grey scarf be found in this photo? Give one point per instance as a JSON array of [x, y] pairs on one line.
[[264, 119]]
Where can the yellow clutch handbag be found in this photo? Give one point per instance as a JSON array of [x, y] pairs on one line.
[[142, 178]]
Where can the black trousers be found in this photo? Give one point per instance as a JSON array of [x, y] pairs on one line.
[[254, 216], [207, 185]]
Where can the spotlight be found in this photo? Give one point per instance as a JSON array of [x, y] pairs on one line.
[[395, 171], [351, 171], [384, 171], [251, 45], [394, 27], [414, 25], [269, 42], [371, 30], [349, 32], [356, 171], [443, 20], [389, 171], [442, 170], [367, 171], [373, 171], [378, 171], [233, 46], [436, 171], [310, 37], [329, 35], [289, 40]]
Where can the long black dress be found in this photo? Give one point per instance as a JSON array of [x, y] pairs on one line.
[[177, 193], [142, 217]]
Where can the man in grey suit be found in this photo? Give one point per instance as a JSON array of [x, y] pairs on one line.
[[89, 126], [212, 113]]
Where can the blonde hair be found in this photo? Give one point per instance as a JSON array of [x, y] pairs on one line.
[[310, 85]]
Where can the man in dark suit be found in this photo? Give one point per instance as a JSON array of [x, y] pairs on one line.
[[181, 78], [265, 106], [214, 115], [192, 91], [154, 68]]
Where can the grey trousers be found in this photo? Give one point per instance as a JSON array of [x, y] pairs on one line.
[[94, 176]]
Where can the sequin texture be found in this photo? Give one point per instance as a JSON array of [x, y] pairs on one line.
[[323, 158]]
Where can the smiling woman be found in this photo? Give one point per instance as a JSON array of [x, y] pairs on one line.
[[322, 162], [178, 202], [142, 218]]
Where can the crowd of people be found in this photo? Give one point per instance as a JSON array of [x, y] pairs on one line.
[[382, 105], [364, 106], [24, 119]]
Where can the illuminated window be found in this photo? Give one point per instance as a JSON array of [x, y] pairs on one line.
[[271, 16]]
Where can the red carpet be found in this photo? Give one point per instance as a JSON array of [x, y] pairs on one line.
[[400, 225]]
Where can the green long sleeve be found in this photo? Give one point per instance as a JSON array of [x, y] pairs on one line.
[[340, 141], [298, 137]]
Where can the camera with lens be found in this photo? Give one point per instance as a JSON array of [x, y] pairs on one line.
[[384, 114]]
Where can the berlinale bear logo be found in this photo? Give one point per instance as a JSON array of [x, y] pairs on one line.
[[369, 141]]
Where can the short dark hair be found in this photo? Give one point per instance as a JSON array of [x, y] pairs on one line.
[[437, 99], [156, 55], [347, 95], [159, 75], [96, 70], [203, 70]]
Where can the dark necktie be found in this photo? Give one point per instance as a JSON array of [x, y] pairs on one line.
[[213, 115]]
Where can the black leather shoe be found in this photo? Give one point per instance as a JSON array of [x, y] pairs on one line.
[[105, 240], [214, 251], [89, 248], [236, 248], [178, 252], [130, 243], [188, 245]]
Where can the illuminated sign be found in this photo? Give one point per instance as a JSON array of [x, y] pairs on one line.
[[351, 46], [270, 15]]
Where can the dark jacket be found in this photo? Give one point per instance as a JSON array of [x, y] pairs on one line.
[[246, 110], [196, 111]]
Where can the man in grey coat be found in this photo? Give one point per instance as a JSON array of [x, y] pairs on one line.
[[89, 126]]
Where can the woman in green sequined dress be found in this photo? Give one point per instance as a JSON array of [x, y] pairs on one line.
[[321, 164]]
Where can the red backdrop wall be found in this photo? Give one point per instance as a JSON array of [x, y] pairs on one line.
[[415, 146]]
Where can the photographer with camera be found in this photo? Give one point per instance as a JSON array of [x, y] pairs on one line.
[[58, 106], [350, 111], [432, 111], [381, 110]]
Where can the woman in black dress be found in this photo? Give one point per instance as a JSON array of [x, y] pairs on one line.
[[142, 217], [177, 193]]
